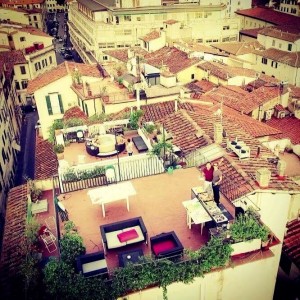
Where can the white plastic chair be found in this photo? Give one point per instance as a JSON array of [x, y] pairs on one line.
[[49, 240]]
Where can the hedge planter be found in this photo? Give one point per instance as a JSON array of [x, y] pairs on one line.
[[245, 247]]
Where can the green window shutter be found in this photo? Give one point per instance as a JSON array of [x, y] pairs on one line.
[[86, 109], [48, 102], [60, 104]]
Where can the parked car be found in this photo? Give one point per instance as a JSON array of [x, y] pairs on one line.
[[68, 56], [28, 108], [62, 50], [60, 40]]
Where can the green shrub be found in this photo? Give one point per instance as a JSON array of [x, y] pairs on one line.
[[59, 148]]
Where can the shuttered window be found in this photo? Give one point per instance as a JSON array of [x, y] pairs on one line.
[[54, 104]]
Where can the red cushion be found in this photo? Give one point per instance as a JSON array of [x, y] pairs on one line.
[[163, 246], [127, 235]]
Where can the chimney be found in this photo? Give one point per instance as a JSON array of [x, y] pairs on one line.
[[281, 166], [263, 176], [218, 133]]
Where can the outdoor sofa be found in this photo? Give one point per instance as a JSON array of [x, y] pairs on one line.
[[92, 264], [123, 233]]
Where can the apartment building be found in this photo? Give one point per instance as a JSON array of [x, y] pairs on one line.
[[10, 123], [287, 6], [96, 26], [35, 9], [53, 6], [35, 46]]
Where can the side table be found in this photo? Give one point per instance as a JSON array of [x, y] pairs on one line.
[[131, 256]]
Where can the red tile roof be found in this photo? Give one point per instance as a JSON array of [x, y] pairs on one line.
[[14, 233], [241, 100], [171, 22], [46, 164], [239, 175], [199, 87], [153, 35], [250, 32], [225, 72], [289, 58], [122, 54], [75, 112], [157, 111], [269, 15], [286, 33], [11, 58], [290, 127], [34, 31], [62, 70], [173, 58], [198, 47], [237, 48], [291, 242]]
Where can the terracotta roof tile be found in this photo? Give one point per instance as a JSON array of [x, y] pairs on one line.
[[289, 126], [59, 72], [269, 15], [14, 232], [157, 111], [153, 35], [289, 58], [175, 59], [11, 58], [252, 32], [122, 54], [21, 2], [286, 33], [199, 87], [241, 100], [225, 72], [46, 164], [240, 174], [74, 112], [33, 31], [237, 48], [199, 47], [291, 242], [171, 22]]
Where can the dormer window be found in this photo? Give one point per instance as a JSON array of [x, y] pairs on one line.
[[290, 47]]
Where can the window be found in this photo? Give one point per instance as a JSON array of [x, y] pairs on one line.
[[226, 27], [17, 85], [24, 84], [23, 70], [290, 47], [192, 76], [34, 18], [264, 60], [105, 57], [50, 60], [274, 64], [54, 104], [127, 18], [279, 46], [36, 66], [3, 156], [273, 43], [22, 39]]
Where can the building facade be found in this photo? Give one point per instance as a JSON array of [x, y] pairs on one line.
[[94, 27]]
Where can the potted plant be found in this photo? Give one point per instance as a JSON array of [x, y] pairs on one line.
[[120, 82], [59, 150], [34, 191], [247, 233]]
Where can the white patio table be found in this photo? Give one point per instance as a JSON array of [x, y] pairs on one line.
[[112, 193]]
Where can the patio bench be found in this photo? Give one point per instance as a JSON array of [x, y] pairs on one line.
[[92, 264], [139, 143]]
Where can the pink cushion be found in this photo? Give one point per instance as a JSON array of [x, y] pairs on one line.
[[127, 235], [163, 246]]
